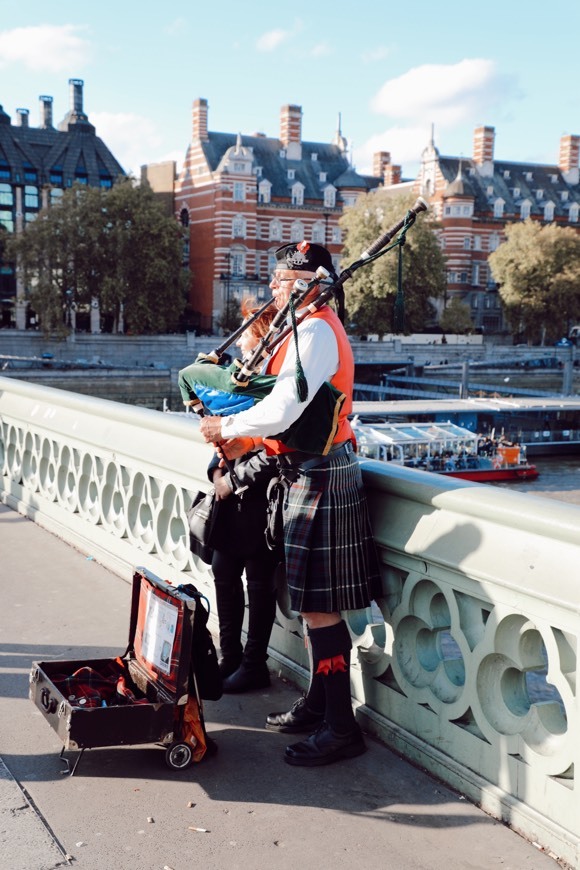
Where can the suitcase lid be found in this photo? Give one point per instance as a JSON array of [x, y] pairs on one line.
[[160, 632]]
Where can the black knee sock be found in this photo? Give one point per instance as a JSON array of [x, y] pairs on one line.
[[315, 696], [331, 658]]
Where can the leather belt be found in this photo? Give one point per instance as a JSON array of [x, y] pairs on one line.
[[299, 459]]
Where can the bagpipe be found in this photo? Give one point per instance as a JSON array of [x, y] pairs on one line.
[[209, 387]]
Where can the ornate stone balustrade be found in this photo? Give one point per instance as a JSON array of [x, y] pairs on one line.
[[466, 665]]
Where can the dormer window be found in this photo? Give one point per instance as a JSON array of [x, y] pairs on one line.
[[573, 213], [264, 191], [549, 211], [554, 179], [564, 196], [529, 176], [291, 174], [298, 194], [329, 197], [258, 171], [539, 193], [525, 209], [498, 208], [239, 167], [282, 153], [516, 192], [314, 156], [490, 190], [322, 176], [506, 173]]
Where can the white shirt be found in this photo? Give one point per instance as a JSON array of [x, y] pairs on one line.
[[275, 413]]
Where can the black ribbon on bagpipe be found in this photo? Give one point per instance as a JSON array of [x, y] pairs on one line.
[[241, 378]]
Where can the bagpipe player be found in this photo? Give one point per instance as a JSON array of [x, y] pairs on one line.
[[329, 552]]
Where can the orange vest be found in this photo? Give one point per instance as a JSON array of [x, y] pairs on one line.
[[343, 380]]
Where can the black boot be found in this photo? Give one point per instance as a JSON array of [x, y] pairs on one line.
[[340, 736], [230, 608], [253, 672]]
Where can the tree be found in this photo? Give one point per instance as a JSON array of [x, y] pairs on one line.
[[456, 318], [538, 271], [231, 316], [114, 247], [370, 294]]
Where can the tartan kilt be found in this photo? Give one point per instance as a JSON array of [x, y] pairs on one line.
[[331, 559]]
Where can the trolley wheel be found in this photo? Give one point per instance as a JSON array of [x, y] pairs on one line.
[[178, 756]]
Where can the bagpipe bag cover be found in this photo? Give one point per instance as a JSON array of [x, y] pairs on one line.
[[212, 384]]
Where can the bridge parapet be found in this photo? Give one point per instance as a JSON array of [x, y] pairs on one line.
[[467, 663]]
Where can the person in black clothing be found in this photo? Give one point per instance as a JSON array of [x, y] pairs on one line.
[[239, 543]]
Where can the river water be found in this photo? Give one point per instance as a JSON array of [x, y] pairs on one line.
[[559, 479]]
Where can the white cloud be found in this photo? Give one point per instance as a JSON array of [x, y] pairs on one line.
[[373, 55], [445, 93], [45, 47], [271, 40], [321, 50], [405, 145], [133, 139]]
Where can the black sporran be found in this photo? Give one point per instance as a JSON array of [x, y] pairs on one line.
[[201, 517]]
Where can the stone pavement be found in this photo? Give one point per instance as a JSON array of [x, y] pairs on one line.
[[125, 810]]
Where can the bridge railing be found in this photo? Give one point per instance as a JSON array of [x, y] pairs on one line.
[[466, 664]]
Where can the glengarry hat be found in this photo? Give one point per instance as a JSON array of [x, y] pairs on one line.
[[304, 257]]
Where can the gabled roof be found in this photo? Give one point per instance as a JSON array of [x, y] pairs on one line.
[[267, 153], [45, 150], [523, 182]]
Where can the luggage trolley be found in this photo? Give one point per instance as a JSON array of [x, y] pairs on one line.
[[149, 694]]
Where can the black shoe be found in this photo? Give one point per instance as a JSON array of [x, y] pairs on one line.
[[246, 678], [298, 719], [227, 666], [325, 747]]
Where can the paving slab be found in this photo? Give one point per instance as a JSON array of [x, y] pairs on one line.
[[124, 809]]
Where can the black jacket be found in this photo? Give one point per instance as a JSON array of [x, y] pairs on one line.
[[240, 521]]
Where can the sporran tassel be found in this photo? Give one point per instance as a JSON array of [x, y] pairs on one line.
[[301, 382]]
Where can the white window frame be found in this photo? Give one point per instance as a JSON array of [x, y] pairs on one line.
[[275, 231], [298, 194], [498, 207], [239, 193]]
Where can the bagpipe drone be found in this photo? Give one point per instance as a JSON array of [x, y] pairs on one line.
[[211, 388]]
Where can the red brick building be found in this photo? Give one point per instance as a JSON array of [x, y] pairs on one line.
[[475, 198], [244, 196]]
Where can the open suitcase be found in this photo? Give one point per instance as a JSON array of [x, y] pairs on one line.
[[147, 695]]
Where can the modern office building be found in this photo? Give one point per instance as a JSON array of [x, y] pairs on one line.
[[36, 165]]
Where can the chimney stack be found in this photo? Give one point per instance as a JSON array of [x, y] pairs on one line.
[[569, 153], [483, 144], [199, 120], [381, 160], [291, 131], [76, 96], [45, 112], [392, 175], [22, 117]]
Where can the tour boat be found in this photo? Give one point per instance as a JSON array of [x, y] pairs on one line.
[[443, 448]]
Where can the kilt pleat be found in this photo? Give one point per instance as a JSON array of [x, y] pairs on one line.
[[331, 559]]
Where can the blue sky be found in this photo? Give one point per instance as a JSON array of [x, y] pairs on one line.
[[390, 68]]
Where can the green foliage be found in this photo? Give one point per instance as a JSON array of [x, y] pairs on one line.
[[370, 294], [231, 316], [115, 246], [456, 318], [538, 270]]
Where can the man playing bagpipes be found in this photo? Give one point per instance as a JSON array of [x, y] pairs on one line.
[[331, 563]]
